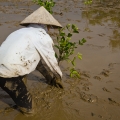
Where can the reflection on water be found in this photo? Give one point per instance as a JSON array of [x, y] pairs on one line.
[[115, 39], [109, 16], [96, 15]]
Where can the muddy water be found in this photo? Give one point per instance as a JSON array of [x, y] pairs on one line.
[[97, 94]]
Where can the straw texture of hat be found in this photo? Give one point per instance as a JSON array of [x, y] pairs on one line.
[[41, 16]]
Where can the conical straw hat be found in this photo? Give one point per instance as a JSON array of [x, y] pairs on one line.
[[41, 16]]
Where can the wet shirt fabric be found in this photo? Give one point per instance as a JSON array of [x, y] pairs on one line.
[[22, 50]]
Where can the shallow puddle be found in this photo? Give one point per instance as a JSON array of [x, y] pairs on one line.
[[97, 94]]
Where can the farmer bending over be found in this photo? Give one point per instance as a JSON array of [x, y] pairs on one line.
[[24, 51]]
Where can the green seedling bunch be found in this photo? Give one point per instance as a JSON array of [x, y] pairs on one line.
[[67, 48], [64, 44], [48, 4], [88, 2]]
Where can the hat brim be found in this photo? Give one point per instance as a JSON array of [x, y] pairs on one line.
[[40, 16]]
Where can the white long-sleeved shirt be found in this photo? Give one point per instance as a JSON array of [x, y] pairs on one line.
[[21, 52]]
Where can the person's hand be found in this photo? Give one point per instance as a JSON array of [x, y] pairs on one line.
[[54, 81]]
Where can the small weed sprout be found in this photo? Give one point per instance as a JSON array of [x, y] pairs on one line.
[[88, 2]]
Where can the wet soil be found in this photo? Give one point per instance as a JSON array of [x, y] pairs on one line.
[[96, 95]]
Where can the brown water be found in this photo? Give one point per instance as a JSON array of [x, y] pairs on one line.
[[97, 94]]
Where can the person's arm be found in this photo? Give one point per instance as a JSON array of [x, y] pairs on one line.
[[52, 78]]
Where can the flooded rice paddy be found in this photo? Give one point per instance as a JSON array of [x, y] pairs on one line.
[[96, 95]]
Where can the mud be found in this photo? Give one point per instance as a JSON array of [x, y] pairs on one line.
[[96, 95], [11, 86]]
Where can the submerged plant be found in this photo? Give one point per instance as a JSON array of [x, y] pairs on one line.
[[88, 2]]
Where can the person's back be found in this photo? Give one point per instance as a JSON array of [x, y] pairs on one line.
[[18, 55], [24, 51]]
